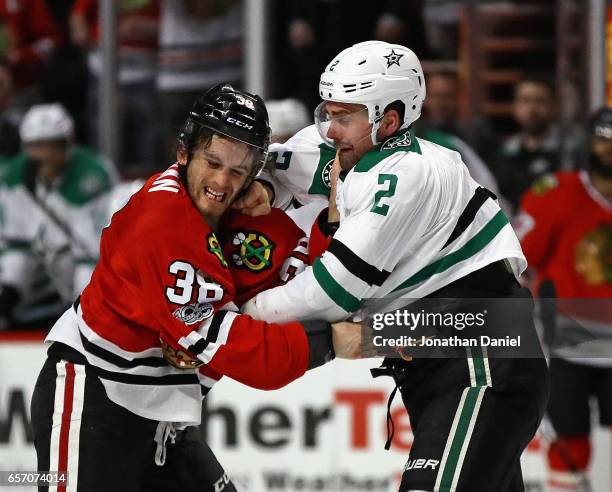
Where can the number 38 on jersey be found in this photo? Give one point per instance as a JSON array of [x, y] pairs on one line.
[[186, 279]]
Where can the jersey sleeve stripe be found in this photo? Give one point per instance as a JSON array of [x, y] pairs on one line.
[[225, 325], [193, 342], [357, 266], [469, 213], [215, 325], [16, 244], [216, 330], [333, 289], [473, 246], [198, 347]]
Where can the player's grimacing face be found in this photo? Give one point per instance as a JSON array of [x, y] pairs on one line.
[[350, 130], [216, 175]]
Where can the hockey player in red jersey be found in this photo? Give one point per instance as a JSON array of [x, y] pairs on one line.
[[565, 226], [154, 330]]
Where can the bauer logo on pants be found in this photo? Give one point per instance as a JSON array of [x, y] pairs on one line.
[[421, 463]]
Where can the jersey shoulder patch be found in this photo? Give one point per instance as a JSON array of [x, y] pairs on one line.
[[404, 142], [321, 181]]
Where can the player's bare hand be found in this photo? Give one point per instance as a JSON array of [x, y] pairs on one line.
[[255, 202], [346, 337]]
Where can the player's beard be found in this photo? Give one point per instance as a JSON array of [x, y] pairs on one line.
[[350, 157], [347, 159]]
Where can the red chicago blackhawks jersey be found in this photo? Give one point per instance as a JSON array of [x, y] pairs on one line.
[[565, 227], [262, 252], [151, 322]]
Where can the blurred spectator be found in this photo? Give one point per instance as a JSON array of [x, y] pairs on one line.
[[287, 117], [32, 36], [441, 113], [442, 27], [319, 29], [200, 46], [43, 189], [536, 149], [565, 227], [45, 66], [137, 39], [9, 116]]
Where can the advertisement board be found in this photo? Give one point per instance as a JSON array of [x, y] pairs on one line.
[[323, 432]]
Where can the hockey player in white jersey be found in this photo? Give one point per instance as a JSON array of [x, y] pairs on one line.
[[44, 192], [413, 223]]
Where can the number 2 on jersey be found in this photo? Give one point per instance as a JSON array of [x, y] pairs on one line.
[[379, 208], [281, 162]]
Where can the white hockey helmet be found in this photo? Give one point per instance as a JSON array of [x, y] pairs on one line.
[[287, 116], [376, 74], [46, 122]]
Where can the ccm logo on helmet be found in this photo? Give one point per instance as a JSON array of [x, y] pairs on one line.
[[239, 123]]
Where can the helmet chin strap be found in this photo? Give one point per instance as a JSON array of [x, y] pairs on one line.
[[375, 127]]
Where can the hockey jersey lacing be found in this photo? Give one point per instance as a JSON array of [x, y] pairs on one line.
[[164, 431]]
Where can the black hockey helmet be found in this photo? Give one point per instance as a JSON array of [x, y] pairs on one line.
[[600, 123], [233, 113]]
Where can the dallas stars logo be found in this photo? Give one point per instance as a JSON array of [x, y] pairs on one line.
[[393, 58], [402, 140]]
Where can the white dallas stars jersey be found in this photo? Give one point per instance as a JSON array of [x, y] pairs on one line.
[[43, 239], [302, 169], [399, 235]]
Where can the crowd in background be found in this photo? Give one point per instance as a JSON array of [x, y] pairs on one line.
[[169, 52]]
